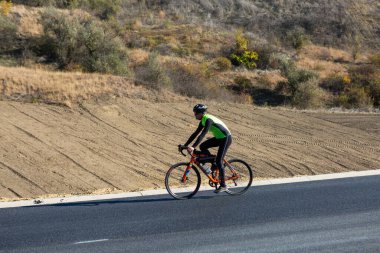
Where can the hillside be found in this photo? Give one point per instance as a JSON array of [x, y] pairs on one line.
[[128, 144], [302, 54], [96, 95], [329, 23]]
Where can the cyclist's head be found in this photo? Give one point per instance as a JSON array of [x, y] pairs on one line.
[[200, 108]]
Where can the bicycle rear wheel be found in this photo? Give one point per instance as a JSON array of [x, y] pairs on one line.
[[238, 176], [181, 182]]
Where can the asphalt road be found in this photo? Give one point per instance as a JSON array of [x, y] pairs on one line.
[[322, 216]]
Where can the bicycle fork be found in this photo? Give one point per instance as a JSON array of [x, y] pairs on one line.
[[187, 172]]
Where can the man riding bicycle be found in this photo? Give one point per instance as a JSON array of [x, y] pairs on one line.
[[222, 139]]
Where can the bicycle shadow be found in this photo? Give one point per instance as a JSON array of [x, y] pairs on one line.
[[134, 200]]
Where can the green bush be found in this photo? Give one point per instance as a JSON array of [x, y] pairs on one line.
[[8, 34], [367, 77], [104, 9], [153, 74], [55, 3], [308, 95], [358, 97], [375, 93], [246, 58], [297, 38], [282, 62], [266, 53], [79, 40], [243, 56], [295, 78], [363, 75], [61, 34], [298, 76], [301, 85], [354, 97]]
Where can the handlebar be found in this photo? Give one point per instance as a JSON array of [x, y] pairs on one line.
[[181, 148]]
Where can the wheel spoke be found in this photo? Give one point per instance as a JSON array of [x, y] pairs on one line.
[[182, 182], [238, 176]]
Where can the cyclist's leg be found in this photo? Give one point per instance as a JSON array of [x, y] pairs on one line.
[[224, 145], [213, 142]]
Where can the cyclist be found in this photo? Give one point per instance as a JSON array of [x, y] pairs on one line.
[[222, 139]]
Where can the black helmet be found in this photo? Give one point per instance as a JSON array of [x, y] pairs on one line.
[[200, 108]]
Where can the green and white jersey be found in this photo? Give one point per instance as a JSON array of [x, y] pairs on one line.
[[209, 123], [217, 128]]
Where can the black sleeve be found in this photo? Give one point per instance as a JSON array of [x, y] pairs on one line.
[[192, 137], [204, 132]]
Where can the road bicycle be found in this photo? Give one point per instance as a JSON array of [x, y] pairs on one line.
[[183, 180]]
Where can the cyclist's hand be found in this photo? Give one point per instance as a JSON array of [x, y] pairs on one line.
[[181, 147], [190, 150]]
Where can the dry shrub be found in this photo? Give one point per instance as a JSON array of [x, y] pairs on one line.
[[334, 83], [192, 80], [137, 24], [242, 84], [137, 57], [245, 99], [161, 14], [222, 64], [270, 79], [188, 80], [375, 59]]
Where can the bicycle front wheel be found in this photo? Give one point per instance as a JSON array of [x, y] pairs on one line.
[[182, 182], [238, 176]]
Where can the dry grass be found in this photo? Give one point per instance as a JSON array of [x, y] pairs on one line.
[[35, 85], [323, 68], [270, 79], [27, 18], [184, 40], [326, 53], [323, 60]]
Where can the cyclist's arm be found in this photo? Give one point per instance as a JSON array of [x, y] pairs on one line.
[[195, 134], [204, 132]]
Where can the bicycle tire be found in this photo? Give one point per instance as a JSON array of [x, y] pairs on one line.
[[245, 179], [174, 184]]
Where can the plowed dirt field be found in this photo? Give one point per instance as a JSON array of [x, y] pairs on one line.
[[128, 145]]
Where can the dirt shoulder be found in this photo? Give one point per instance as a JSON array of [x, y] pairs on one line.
[[128, 144]]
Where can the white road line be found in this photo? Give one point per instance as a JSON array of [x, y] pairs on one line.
[[100, 240], [85, 198]]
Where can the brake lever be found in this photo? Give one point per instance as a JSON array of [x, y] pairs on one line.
[[181, 148]]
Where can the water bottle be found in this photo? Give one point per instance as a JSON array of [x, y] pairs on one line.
[[206, 169]]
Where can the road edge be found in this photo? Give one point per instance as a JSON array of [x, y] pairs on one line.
[[86, 198]]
